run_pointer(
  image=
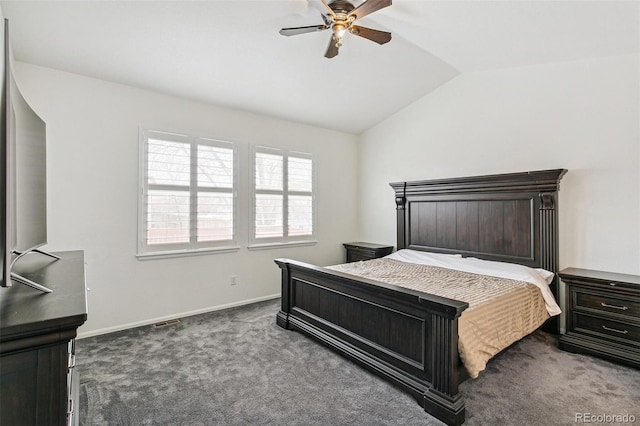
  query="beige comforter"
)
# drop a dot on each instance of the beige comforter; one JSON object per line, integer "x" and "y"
{"x": 501, "y": 311}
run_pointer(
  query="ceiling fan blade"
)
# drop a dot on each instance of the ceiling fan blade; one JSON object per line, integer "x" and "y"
{"x": 302, "y": 30}
{"x": 369, "y": 6}
{"x": 332, "y": 50}
{"x": 380, "y": 37}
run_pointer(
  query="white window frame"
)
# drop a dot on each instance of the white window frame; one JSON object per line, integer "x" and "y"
{"x": 286, "y": 239}
{"x": 193, "y": 246}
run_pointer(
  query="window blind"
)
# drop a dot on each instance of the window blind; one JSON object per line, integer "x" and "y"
{"x": 283, "y": 207}
{"x": 188, "y": 192}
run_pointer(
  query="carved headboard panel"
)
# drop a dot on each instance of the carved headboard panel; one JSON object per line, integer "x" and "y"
{"x": 499, "y": 228}
{"x": 507, "y": 217}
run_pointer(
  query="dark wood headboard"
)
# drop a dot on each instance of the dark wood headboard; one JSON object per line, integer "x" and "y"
{"x": 506, "y": 217}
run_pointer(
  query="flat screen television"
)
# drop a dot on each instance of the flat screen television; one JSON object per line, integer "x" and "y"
{"x": 23, "y": 203}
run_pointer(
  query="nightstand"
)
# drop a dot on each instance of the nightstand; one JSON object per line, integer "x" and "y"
{"x": 366, "y": 251}
{"x": 603, "y": 315}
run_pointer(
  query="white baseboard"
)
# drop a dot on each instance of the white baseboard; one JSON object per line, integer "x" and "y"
{"x": 113, "y": 329}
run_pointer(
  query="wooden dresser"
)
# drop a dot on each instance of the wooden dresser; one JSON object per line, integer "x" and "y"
{"x": 366, "y": 251}
{"x": 603, "y": 315}
{"x": 38, "y": 382}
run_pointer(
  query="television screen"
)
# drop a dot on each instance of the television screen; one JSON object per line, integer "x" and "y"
{"x": 23, "y": 201}
{"x": 30, "y": 168}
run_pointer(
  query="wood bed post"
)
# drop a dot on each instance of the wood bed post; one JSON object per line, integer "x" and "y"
{"x": 548, "y": 184}
{"x": 400, "y": 207}
{"x": 282, "y": 317}
{"x": 549, "y": 247}
{"x": 442, "y": 399}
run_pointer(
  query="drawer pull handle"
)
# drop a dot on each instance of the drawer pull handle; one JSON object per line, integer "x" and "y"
{"x": 605, "y": 305}
{"x": 613, "y": 329}
{"x": 612, "y": 284}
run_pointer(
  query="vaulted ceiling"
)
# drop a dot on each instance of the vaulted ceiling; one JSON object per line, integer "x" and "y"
{"x": 229, "y": 53}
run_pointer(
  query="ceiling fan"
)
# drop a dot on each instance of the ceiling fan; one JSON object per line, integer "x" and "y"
{"x": 340, "y": 17}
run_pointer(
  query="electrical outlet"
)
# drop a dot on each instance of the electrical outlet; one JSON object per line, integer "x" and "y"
{"x": 234, "y": 280}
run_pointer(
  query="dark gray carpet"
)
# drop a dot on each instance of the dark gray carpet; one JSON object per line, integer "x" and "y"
{"x": 236, "y": 367}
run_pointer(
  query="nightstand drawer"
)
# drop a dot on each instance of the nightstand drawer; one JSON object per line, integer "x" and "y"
{"x": 600, "y": 327}
{"x": 356, "y": 255}
{"x": 607, "y": 304}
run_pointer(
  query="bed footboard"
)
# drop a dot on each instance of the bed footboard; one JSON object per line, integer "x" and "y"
{"x": 408, "y": 337}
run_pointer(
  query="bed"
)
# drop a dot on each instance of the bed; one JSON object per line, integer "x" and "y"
{"x": 411, "y": 337}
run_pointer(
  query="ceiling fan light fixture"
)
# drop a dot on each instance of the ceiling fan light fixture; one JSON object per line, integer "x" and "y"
{"x": 338, "y": 33}
{"x": 340, "y": 17}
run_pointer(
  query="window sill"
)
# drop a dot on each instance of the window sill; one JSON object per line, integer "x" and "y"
{"x": 267, "y": 246}
{"x": 182, "y": 253}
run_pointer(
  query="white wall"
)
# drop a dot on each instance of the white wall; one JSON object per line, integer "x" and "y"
{"x": 92, "y": 129}
{"x": 583, "y": 116}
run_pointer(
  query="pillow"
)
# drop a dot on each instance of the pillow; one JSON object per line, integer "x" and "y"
{"x": 547, "y": 275}
{"x": 420, "y": 257}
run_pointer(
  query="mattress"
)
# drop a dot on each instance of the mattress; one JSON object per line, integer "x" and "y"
{"x": 501, "y": 310}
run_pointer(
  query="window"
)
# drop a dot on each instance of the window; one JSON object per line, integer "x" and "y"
{"x": 283, "y": 197}
{"x": 187, "y": 198}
